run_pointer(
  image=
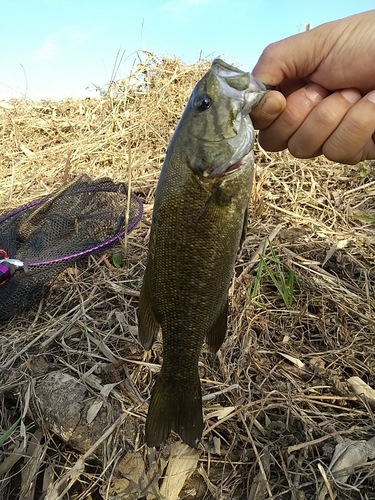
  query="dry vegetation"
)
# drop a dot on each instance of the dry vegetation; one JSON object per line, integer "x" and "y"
{"x": 277, "y": 400}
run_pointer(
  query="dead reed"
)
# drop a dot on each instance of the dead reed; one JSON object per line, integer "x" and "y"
{"x": 279, "y": 398}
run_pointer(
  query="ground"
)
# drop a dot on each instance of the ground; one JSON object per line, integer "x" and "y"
{"x": 280, "y": 398}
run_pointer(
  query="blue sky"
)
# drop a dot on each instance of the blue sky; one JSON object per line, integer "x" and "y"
{"x": 57, "y": 48}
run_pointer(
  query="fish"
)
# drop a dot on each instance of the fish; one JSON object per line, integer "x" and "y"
{"x": 198, "y": 222}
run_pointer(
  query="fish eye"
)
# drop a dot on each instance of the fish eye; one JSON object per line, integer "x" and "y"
{"x": 202, "y": 102}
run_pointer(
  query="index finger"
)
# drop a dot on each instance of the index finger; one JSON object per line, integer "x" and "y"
{"x": 286, "y": 59}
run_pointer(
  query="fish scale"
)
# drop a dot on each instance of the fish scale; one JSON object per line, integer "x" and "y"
{"x": 198, "y": 221}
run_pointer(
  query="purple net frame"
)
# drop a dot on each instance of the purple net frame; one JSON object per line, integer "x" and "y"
{"x": 99, "y": 246}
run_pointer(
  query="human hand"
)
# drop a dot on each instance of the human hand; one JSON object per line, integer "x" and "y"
{"x": 325, "y": 97}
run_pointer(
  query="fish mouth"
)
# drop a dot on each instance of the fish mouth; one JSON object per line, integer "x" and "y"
{"x": 240, "y": 81}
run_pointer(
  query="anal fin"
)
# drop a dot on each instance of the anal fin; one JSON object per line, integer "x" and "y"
{"x": 148, "y": 325}
{"x": 215, "y": 336}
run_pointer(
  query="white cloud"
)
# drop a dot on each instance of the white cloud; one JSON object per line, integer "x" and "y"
{"x": 64, "y": 39}
{"x": 48, "y": 49}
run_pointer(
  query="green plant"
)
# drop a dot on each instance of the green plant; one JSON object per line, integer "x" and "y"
{"x": 117, "y": 260}
{"x": 5, "y": 436}
{"x": 282, "y": 278}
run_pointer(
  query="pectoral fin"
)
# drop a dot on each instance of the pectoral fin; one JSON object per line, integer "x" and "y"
{"x": 148, "y": 326}
{"x": 216, "y": 334}
{"x": 244, "y": 227}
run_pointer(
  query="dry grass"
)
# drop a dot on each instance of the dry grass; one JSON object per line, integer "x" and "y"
{"x": 276, "y": 397}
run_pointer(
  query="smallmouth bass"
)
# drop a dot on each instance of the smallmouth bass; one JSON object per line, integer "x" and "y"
{"x": 199, "y": 216}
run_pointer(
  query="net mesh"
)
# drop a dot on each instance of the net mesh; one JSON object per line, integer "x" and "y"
{"x": 49, "y": 234}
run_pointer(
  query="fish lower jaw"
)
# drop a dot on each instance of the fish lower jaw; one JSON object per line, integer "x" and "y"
{"x": 224, "y": 170}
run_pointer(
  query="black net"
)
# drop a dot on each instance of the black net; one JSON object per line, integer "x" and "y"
{"x": 51, "y": 233}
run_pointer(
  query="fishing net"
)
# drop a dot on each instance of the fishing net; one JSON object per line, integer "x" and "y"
{"x": 44, "y": 237}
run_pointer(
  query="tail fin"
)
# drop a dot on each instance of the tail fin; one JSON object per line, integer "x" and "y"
{"x": 177, "y": 407}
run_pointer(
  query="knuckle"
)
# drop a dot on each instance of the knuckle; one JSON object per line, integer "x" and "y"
{"x": 268, "y": 52}
{"x": 328, "y": 115}
{"x": 335, "y": 151}
{"x": 360, "y": 121}
{"x": 359, "y": 124}
{"x": 298, "y": 150}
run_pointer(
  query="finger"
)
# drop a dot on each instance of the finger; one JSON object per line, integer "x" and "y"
{"x": 287, "y": 59}
{"x": 269, "y": 108}
{"x": 299, "y": 106}
{"x": 287, "y": 87}
{"x": 319, "y": 125}
{"x": 352, "y": 141}
{"x": 336, "y": 55}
